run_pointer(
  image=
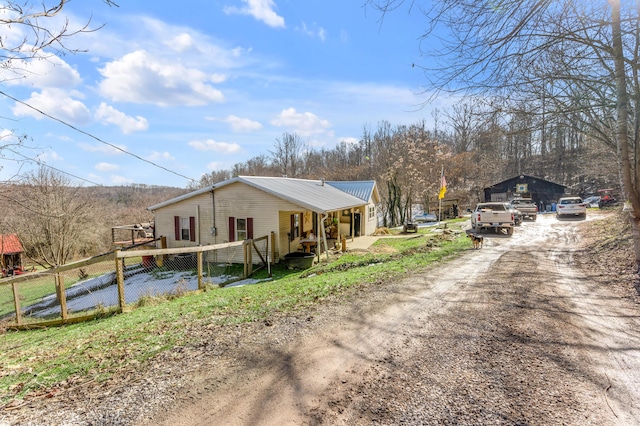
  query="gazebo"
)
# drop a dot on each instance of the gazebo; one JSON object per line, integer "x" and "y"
{"x": 10, "y": 254}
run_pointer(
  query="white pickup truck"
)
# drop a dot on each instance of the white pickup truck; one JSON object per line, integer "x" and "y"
{"x": 494, "y": 215}
{"x": 526, "y": 206}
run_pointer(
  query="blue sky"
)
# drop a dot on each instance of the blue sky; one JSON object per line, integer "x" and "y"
{"x": 201, "y": 85}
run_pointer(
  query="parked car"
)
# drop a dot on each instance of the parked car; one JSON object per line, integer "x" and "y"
{"x": 518, "y": 217}
{"x": 571, "y": 206}
{"x": 425, "y": 217}
{"x": 494, "y": 215}
{"x": 592, "y": 201}
{"x": 526, "y": 206}
{"x": 409, "y": 227}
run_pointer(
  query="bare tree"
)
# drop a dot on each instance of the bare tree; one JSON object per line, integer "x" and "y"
{"x": 286, "y": 156}
{"x": 583, "y": 55}
{"x": 53, "y": 220}
{"x": 34, "y": 33}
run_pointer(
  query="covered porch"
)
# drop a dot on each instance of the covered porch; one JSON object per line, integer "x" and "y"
{"x": 314, "y": 232}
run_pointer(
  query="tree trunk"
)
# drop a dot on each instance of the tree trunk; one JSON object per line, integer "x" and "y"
{"x": 622, "y": 131}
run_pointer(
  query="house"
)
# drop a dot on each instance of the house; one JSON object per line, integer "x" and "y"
{"x": 542, "y": 192}
{"x": 247, "y": 207}
{"x": 10, "y": 254}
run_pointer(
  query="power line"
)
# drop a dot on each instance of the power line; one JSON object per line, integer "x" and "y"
{"x": 95, "y": 137}
{"x": 42, "y": 163}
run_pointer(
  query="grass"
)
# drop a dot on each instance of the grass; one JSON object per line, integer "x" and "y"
{"x": 34, "y": 290}
{"x": 38, "y": 361}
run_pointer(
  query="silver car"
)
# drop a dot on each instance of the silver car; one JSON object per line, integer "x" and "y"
{"x": 571, "y": 206}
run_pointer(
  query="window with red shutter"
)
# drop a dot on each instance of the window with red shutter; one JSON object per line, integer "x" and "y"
{"x": 250, "y": 228}
{"x": 192, "y": 228}
{"x": 232, "y": 229}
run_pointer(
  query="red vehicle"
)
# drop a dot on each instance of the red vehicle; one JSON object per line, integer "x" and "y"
{"x": 606, "y": 198}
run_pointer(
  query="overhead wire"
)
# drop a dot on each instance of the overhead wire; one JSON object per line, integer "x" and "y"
{"x": 42, "y": 163}
{"x": 95, "y": 137}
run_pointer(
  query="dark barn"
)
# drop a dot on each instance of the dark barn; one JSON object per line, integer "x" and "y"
{"x": 539, "y": 190}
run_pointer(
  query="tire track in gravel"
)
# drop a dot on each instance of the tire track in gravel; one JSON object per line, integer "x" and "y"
{"x": 285, "y": 387}
{"x": 612, "y": 330}
{"x": 499, "y": 336}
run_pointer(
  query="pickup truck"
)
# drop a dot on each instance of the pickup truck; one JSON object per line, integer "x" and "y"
{"x": 494, "y": 215}
{"x": 526, "y": 206}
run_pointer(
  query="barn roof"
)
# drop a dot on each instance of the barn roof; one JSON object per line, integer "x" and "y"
{"x": 524, "y": 178}
{"x": 10, "y": 244}
{"x": 315, "y": 195}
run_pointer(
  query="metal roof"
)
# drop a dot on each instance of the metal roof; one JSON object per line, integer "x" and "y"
{"x": 10, "y": 244}
{"x": 315, "y": 195}
{"x": 362, "y": 189}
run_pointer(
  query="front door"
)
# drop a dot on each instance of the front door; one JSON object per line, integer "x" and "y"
{"x": 356, "y": 224}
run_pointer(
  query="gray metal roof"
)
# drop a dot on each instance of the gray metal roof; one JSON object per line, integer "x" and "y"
{"x": 314, "y": 195}
{"x": 362, "y": 189}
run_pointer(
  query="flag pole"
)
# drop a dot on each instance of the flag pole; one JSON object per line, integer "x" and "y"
{"x": 440, "y": 196}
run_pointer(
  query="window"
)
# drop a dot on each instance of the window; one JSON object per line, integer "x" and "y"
{"x": 240, "y": 229}
{"x": 185, "y": 228}
{"x": 372, "y": 212}
{"x": 296, "y": 223}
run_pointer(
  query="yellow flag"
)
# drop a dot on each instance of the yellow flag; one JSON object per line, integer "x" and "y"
{"x": 443, "y": 188}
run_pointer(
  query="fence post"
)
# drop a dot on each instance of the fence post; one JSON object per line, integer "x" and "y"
{"x": 273, "y": 247}
{"x": 16, "y": 301}
{"x": 120, "y": 281}
{"x": 62, "y": 296}
{"x": 250, "y": 256}
{"x": 200, "y": 282}
{"x": 244, "y": 253}
{"x": 161, "y": 258}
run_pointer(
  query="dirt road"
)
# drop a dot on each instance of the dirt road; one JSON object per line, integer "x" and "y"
{"x": 508, "y": 334}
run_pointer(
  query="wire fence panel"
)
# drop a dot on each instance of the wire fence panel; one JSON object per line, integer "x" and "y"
{"x": 7, "y": 304}
{"x": 59, "y": 293}
{"x": 154, "y": 276}
{"x": 107, "y": 283}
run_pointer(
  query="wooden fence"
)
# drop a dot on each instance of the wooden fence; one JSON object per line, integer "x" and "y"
{"x": 34, "y": 288}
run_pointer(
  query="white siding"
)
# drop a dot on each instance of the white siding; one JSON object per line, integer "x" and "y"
{"x": 196, "y": 207}
{"x": 238, "y": 200}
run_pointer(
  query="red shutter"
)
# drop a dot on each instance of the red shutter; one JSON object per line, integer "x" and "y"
{"x": 291, "y": 228}
{"x": 176, "y": 225}
{"x": 232, "y": 229}
{"x": 192, "y": 228}
{"x": 250, "y": 228}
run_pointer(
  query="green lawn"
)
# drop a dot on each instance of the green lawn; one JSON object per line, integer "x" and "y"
{"x": 37, "y": 360}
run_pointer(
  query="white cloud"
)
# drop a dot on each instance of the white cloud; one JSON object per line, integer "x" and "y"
{"x": 211, "y": 145}
{"x": 181, "y": 42}
{"x": 56, "y": 103}
{"x": 304, "y": 124}
{"x": 239, "y": 124}
{"x": 110, "y": 115}
{"x": 106, "y": 167}
{"x": 155, "y": 156}
{"x": 50, "y": 72}
{"x": 141, "y": 78}
{"x": 49, "y": 156}
{"x": 120, "y": 180}
{"x": 215, "y": 166}
{"x": 105, "y": 149}
{"x": 93, "y": 177}
{"x": 317, "y": 31}
{"x": 262, "y": 10}
{"x": 350, "y": 140}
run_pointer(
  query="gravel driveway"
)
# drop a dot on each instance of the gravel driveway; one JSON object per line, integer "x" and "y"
{"x": 511, "y": 334}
